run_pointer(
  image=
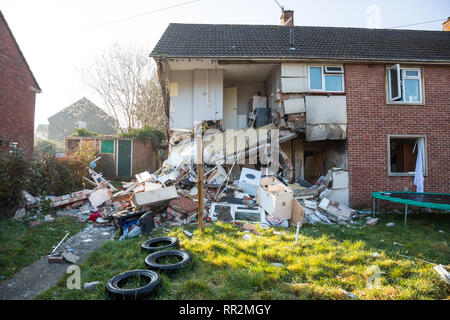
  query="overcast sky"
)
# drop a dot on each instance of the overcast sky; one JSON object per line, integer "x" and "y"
{"x": 57, "y": 37}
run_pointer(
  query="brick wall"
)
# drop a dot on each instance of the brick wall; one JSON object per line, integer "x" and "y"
{"x": 370, "y": 120}
{"x": 17, "y": 100}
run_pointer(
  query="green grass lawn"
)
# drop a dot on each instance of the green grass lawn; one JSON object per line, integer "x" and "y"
{"x": 327, "y": 261}
{"x": 21, "y": 245}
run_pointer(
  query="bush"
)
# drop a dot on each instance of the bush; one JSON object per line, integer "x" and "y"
{"x": 43, "y": 175}
{"x": 148, "y": 133}
{"x": 13, "y": 173}
{"x": 55, "y": 176}
{"x": 81, "y": 132}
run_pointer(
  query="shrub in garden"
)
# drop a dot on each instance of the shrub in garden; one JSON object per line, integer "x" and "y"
{"x": 147, "y": 133}
{"x": 45, "y": 175}
{"x": 55, "y": 176}
{"x": 81, "y": 132}
{"x": 13, "y": 170}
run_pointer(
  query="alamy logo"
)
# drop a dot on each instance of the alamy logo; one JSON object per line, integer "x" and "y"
{"x": 373, "y": 16}
{"x": 74, "y": 281}
{"x": 374, "y": 281}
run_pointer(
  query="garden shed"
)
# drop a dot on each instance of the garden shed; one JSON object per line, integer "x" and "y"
{"x": 120, "y": 157}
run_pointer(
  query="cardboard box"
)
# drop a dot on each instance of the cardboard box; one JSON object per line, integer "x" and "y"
{"x": 275, "y": 198}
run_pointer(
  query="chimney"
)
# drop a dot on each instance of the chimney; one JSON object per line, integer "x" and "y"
{"x": 446, "y": 25}
{"x": 287, "y": 18}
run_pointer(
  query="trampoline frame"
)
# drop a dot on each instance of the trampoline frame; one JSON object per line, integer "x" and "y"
{"x": 380, "y": 196}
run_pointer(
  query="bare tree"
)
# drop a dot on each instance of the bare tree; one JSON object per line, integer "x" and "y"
{"x": 124, "y": 78}
{"x": 150, "y": 104}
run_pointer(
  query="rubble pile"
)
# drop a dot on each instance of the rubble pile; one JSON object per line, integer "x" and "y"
{"x": 231, "y": 192}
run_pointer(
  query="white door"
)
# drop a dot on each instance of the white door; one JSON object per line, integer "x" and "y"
{"x": 230, "y": 108}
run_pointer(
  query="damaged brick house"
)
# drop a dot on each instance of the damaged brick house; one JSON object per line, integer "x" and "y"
{"x": 365, "y": 100}
{"x": 18, "y": 89}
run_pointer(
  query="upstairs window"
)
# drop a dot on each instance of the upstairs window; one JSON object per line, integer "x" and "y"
{"x": 326, "y": 78}
{"x": 404, "y": 84}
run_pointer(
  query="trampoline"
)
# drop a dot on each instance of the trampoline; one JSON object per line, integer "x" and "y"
{"x": 428, "y": 200}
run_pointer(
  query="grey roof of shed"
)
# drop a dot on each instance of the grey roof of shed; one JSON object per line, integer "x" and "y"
{"x": 272, "y": 41}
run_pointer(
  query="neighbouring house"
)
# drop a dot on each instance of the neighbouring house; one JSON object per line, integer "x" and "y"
{"x": 18, "y": 88}
{"x": 365, "y": 100}
{"x": 82, "y": 114}
{"x": 120, "y": 157}
{"x": 42, "y": 131}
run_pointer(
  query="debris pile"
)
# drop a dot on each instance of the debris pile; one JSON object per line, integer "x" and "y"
{"x": 327, "y": 211}
{"x": 231, "y": 192}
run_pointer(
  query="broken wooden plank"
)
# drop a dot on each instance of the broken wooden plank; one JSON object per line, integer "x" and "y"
{"x": 55, "y": 258}
{"x": 298, "y": 213}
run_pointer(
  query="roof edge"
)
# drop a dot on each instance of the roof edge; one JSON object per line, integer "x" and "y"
{"x": 279, "y": 58}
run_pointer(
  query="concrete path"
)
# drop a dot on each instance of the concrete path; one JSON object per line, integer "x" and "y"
{"x": 41, "y": 275}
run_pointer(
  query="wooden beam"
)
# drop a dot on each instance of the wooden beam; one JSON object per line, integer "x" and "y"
{"x": 200, "y": 178}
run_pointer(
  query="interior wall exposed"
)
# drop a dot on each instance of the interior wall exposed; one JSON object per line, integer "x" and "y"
{"x": 321, "y": 156}
{"x": 286, "y": 147}
{"x": 245, "y": 91}
{"x": 181, "y": 99}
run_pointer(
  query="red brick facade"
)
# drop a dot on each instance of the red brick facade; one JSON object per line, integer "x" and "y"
{"x": 370, "y": 120}
{"x": 17, "y": 94}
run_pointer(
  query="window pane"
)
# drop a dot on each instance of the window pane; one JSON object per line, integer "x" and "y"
{"x": 315, "y": 77}
{"x": 412, "y": 90}
{"x": 412, "y": 73}
{"x": 333, "y": 83}
{"x": 333, "y": 69}
{"x": 394, "y": 84}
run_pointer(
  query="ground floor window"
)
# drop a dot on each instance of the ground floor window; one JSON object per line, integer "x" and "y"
{"x": 403, "y": 152}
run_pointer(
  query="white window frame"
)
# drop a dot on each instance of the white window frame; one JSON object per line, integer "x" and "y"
{"x": 406, "y": 137}
{"x": 402, "y": 71}
{"x": 335, "y": 74}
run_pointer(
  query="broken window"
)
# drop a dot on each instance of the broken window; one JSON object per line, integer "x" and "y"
{"x": 326, "y": 78}
{"x": 404, "y": 84}
{"x": 403, "y": 153}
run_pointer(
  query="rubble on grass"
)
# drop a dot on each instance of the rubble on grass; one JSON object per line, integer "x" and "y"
{"x": 169, "y": 197}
